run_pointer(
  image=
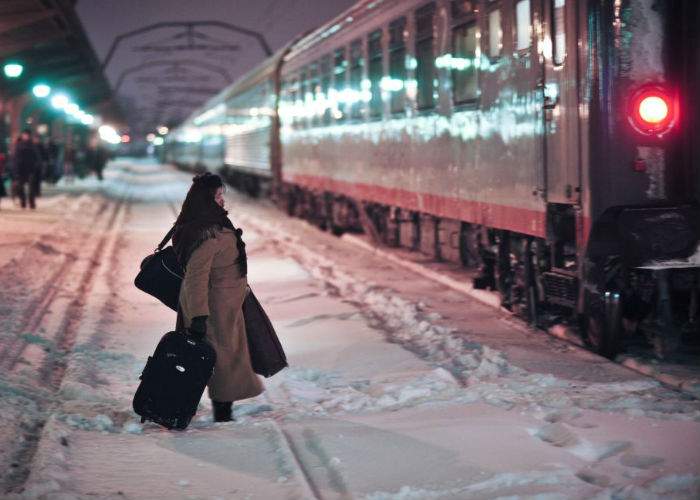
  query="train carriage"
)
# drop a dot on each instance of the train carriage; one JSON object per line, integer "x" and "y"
{"x": 549, "y": 143}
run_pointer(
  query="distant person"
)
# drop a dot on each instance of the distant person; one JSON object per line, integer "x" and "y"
{"x": 213, "y": 254}
{"x": 3, "y": 191}
{"x": 27, "y": 166}
{"x": 69, "y": 163}
{"x": 52, "y": 151}
{"x": 44, "y": 159}
{"x": 97, "y": 157}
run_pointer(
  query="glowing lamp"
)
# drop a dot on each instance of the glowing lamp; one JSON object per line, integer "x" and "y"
{"x": 72, "y": 108}
{"x": 59, "y": 101}
{"x": 13, "y": 70}
{"x": 653, "y": 111}
{"x": 41, "y": 90}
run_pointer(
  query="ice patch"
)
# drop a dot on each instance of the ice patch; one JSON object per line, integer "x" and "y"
{"x": 594, "y": 452}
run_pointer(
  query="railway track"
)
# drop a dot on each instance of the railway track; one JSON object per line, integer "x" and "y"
{"x": 56, "y": 307}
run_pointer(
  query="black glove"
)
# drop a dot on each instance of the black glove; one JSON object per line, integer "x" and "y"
{"x": 198, "y": 328}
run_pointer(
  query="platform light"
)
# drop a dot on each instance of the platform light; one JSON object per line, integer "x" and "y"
{"x": 109, "y": 134}
{"x": 59, "y": 101}
{"x": 41, "y": 90}
{"x": 13, "y": 70}
{"x": 87, "y": 119}
{"x": 72, "y": 108}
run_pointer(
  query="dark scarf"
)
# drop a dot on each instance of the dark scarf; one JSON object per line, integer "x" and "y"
{"x": 198, "y": 221}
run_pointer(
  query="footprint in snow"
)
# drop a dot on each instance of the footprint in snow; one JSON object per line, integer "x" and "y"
{"x": 557, "y": 434}
{"x": 570, "y": 417}
{"x": 593, "y": 478}
{"x": 639, "y": 461}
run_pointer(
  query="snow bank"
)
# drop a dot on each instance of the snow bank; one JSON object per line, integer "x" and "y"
{"x": 486, "y": 372}
{"x": 313, "y": 391}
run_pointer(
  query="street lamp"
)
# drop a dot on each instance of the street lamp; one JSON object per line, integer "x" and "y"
{"x": 41, "y": 90}
{"x": 72, "y": 108}
{"x": 13, "y": 70}
{"x": 59, "y": 101}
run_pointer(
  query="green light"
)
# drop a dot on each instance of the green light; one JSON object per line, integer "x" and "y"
{"x": 13, "y": 70}
{"x": 71, "y": 108}
{"x": 41, "y": 90}
{"x": 59, "y": 101}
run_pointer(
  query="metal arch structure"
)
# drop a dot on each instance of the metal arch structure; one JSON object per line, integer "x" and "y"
{"x": 189, "y": 25}
{"x": 171, "y": 62}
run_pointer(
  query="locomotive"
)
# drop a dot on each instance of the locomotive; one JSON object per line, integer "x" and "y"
{"x": 549, "y": 144}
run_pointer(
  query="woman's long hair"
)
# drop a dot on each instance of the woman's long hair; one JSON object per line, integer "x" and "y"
{"x": 200, "y": 217}
{"x": 199, "y": 203}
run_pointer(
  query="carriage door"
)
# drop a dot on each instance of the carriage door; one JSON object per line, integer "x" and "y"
{"x": 560, "y": 103}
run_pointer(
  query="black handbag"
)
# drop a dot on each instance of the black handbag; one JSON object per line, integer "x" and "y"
{"x": 266, "y": 354}
{"x": 161, "y": 274}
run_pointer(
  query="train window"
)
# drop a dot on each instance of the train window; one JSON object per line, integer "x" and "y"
{"x": 300, "y": 119}
{"x": 465, "y": 85}
{"x": 356, "y": 70}
{"x": 523, "y": 25}
{"x": 397, "y": 65}
{"x": 495, "y": 38}
{"x": 312, "y": 94}
{"x": 425, "y": 58}
{"x": 558, "y": 31}
{"x": 290, "y": 92}
{"x": 325, "y": 88}
{"x": 375, "y": 70}
{"x": 339, "y": 84}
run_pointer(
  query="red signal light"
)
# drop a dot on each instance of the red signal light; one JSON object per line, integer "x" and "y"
{"x": 652, "y": 111}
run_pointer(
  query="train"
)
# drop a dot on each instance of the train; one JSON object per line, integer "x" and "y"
{"x": 549, "y": 145}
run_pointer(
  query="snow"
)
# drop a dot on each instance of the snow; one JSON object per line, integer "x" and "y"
{"x": 386, "y": 397}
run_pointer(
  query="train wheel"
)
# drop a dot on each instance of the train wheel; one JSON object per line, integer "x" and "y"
{"x": 602, "y": 323}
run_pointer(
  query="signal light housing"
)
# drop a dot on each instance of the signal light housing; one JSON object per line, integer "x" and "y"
{"x": 653, "y": 110}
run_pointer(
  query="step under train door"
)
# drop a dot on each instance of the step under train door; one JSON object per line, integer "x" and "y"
{"x": 560, "y": 88}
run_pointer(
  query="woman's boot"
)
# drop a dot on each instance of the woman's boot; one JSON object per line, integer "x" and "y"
{"x": 222, "y": 411}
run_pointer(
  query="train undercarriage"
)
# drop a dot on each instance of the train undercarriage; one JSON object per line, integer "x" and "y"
{"x": 615, "y": 308}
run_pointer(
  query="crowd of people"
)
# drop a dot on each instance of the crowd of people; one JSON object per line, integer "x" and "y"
{"x": 34, "y": 161}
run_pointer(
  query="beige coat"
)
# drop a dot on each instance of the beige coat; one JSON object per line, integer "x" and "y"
{"x": 213, "y": 287}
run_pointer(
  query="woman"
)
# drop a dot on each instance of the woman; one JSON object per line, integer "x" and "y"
{"x": 213, "y": 254}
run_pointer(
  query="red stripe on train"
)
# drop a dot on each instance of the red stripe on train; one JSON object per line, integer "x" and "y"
{"x": 515, "y": 219}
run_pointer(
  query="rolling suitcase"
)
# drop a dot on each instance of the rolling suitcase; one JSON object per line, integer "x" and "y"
{"x": 173, "y": 380}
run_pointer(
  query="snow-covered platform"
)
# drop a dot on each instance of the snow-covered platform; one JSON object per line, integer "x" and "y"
{"x": 399, "y": 387}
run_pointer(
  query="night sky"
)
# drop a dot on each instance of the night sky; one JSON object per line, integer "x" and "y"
{"x": 156, "y": 94}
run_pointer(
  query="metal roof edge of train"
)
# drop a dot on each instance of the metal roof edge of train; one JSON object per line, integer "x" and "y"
{"x": 353, "y": 14}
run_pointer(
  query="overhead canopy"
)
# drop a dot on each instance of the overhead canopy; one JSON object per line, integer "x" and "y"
{"x": 48, "y": 39}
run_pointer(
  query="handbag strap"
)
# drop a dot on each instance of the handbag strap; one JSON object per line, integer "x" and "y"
{"x": 166, "y": 239}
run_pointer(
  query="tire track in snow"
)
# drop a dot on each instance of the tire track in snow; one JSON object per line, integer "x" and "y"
{"x": 53, "y": 369}
{"x": 37, "y": 308}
